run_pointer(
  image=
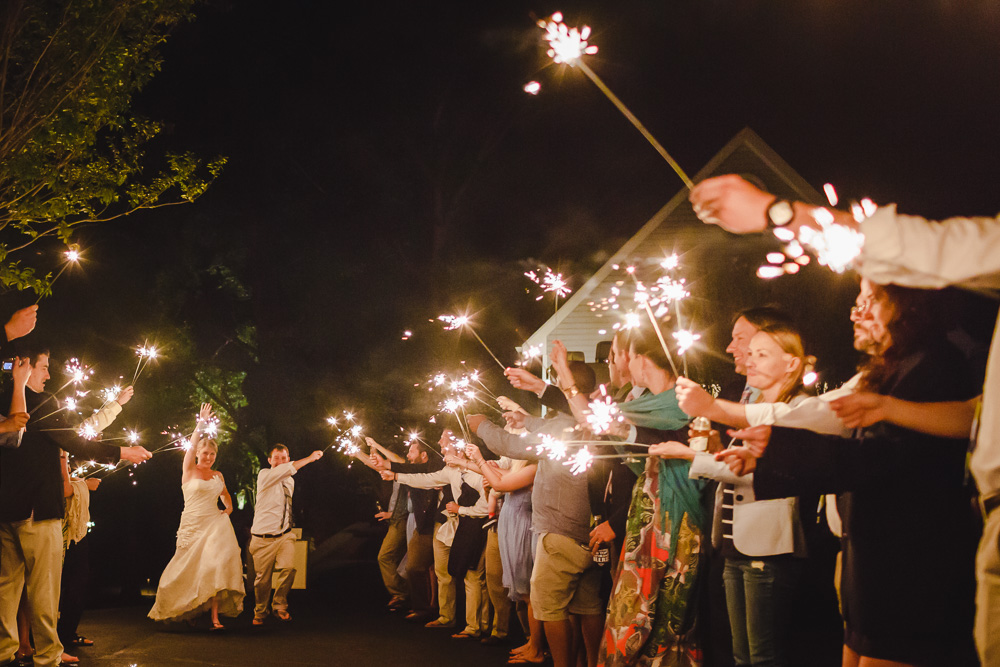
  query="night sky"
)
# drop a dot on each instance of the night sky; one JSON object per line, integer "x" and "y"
{"x": 385, "y": 166}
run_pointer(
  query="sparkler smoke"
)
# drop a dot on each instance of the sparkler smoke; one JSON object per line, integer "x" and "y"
{"x": 453, "y": 322}
{"x": 569, "y": 45}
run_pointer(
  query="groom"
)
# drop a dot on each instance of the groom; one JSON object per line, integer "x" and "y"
{"x": 272, "y": 545}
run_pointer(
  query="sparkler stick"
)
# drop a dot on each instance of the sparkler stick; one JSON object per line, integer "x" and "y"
{"x": 146, "y": 353}
{"x": 569, "y": 46}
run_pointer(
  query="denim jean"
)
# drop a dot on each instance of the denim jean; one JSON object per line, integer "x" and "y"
{"x": 758, "y": 596}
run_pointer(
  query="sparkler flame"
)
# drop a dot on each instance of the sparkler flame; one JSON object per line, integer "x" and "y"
{"x": 603, "y": 414}
{"x": 453, "y": 322}
{"x": 685, "y": 340}
{"x": 836, "y": 246}
{"x": 581, "y": 461}
{"x": 87, "y": 432}
{"x": 555, "y": 450}
{"x": 566, "y": 45}
{"x": 532, "y": 87}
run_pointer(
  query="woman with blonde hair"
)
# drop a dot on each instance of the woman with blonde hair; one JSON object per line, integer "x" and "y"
{"x": 206, "y": 572}
{"x": 761, "y": 540}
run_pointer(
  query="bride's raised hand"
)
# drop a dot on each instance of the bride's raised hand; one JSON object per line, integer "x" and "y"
{"x": 205, "y": 414}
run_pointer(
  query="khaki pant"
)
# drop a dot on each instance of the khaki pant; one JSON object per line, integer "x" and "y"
{"x": 389, "y": 556}
{"x": 446, "y": 587}
{"x": 988, "y": 593}
{"x": 494, "y": 584}
{"x": 477, "y": 604}
{"x": 419, "y": 561}
{"x": 31, "y": 552}
{"x": 564, "y": 579}
{"x": 270, "y": 554}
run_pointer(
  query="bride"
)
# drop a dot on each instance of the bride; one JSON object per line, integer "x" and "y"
{"x": 206, "y": 571}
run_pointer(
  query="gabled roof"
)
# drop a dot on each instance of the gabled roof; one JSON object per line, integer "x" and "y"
{"x": 745, "y": 154}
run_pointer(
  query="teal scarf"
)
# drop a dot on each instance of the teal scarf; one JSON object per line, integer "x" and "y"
{"x": 678, "y": 493}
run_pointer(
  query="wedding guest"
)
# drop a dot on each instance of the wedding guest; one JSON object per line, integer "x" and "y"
{"x": 32, "y": 507}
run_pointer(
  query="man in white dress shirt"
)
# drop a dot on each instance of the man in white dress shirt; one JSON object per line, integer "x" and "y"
{"x": 272, "y": 545}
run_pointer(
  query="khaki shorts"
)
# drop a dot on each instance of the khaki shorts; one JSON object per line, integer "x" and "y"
{"x": 564, "y": 579}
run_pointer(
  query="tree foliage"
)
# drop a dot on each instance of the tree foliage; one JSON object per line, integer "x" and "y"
{"x": 71, "y": 149}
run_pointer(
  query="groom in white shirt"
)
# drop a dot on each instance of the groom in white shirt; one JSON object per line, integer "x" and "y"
{"x": 272, "y": 545}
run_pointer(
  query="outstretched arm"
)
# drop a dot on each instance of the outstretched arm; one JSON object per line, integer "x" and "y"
{"x": 949, "y": 419}
{"x": 386, "y": 453}
{"x": 697, "y": 402}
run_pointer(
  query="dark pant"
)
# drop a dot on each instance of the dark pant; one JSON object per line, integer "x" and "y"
{"x": 759, "y": 595}
{"x": 72, "y": 599}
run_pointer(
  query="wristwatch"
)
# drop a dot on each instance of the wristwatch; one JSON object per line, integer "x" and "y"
{"x": 780, "y": 213}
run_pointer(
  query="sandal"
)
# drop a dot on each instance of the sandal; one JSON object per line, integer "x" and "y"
{"x": 282, "y": 615}
{"x": 80, "y": 640}
{"x": 216, "y": 627}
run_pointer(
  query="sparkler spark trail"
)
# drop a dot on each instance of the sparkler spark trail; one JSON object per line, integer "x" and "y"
{"x": 569, "y": 45}
{"x": 603, "y": 413}
{"x": 581, "y": 461}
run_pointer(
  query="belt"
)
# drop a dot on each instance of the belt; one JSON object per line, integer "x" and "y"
{"x": 273, "y": 535}
{"x": 989, "y": 503}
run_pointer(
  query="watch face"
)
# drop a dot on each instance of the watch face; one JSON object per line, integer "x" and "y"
{"x": 780, "y": 213}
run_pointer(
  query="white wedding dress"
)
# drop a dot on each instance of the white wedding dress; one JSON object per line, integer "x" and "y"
{"x": 207, "y": 560}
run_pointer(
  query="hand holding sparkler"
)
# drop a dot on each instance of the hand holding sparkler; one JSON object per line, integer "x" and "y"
{"x": 672, "y": 450}
{"x": 474, "y": 422}
{"x": 125, "y": 395}
{"x": 693, "y": 399}
{"x": 732, "y": 203}
{"x": 14, "y": 422}
{"x": 515, "y": 419}
{"x": 755, "y": 438}
{"x": 21, "y": 323}
{"x": 135, "y": 454}
{"x": 740, "y": 460}
{"x": 520, "y": 378}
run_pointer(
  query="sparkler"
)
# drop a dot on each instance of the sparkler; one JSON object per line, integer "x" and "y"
{"x": 146, "y": 354}
{"x": 532, "y": 87}
{"x": 569, "y": 45}
{"x": 71, "y": 256}
{"x": 603, "y": 413}
{"x": 453, "y": 322}
{"x": 549, "y": 281}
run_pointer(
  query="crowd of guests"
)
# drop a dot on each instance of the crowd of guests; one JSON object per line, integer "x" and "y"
{"x": 696, "y": 523}
{"x": 678, "y": 546}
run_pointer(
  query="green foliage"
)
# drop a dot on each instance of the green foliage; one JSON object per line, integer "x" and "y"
{"x": 71, "y": 150}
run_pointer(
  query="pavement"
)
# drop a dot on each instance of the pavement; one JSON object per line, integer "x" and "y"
{"x": 340, "y": 620}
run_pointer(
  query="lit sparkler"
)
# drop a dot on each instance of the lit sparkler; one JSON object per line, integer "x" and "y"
{"x": 603, "y": 413}
{"x": 581, "y": 461}
{"x": 685, "y": 341}
{"x": 569, "y": 45}
{"x": 532, "y": 87}
{"x": 453, "y": 322}
{"x": 550, "y": 281}
{"x": 146, "y": 353}
{"x": 71, "y": 256}
{"x": 552, "y": 448}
